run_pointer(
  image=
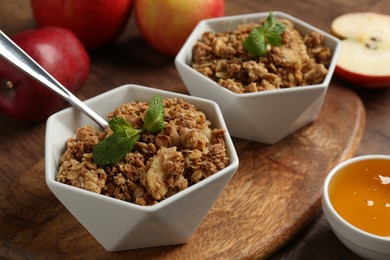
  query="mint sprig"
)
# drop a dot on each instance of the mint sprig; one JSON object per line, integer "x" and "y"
{"x": 118, "y": 144}
{"x": 115, "y": 147}
{"x": 268, "y": 33}
{"x": 154, "y": 118}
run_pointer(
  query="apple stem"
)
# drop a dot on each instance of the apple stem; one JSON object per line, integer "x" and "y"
{"x": 7, "y": 84}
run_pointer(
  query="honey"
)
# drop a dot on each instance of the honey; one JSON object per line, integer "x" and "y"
{"x": 360, "y": 193}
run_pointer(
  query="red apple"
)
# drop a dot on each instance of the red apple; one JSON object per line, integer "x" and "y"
{"x": 59, "y": 52}
{"x": 364, "y": 58}
{"x": 96, "y": 22}
{"x": 166, "y": 24}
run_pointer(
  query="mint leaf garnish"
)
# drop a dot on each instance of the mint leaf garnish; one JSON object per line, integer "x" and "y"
{"x": 115, "y": 147}
{"x": 255, "y": 43}
{"x": 268, "y": 33}
{"x": 154, "y": 118}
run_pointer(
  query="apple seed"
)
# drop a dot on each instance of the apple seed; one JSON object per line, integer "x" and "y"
{"x": 372, "y": 44}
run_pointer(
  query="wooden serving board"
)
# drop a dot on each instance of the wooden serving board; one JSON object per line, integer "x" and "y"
{"x": 274, "y": 194}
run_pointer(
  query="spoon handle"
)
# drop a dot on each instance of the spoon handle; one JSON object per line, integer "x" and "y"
{"x": 16, "y": 56}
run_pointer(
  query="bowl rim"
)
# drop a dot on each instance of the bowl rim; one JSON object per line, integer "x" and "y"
{"x": 187, "y": 48}
{"x": 234, "y": 160}
{"x": 329, "y": 205}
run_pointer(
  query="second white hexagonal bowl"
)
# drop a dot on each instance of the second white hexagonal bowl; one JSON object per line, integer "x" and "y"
{"x": 266, "y": 116}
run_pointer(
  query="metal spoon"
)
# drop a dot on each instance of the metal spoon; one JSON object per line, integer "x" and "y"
{"x": 16, "y": 56}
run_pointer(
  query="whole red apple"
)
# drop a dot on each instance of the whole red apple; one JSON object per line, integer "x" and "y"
{"x": 59, "y": 52}
{"x": 95, "y": 22}
{"x": 166, "y": 24}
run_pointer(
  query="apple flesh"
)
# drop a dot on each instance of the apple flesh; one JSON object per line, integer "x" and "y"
{"x": 61, "y": 54}
{"x": 364, "y": 58}
{"x": 95, "y": 23}
{"x": 166, "y": 24}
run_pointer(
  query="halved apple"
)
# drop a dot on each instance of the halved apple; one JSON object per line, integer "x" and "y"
{"x": 364, "y": 57}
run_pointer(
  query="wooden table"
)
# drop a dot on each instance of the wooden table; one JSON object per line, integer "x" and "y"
{"x": 22, "y": 144}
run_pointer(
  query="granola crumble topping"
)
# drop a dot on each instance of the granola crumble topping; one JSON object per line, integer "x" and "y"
{"x": 300, "y": 61}
{"x": 160, "y": 165}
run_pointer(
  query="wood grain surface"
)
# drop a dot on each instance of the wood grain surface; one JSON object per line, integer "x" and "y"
{"x": 271, "y": 206}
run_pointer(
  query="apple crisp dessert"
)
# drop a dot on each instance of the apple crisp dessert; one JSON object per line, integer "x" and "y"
{"x": 299, "y": 61}
{"x": 187, "y": 151}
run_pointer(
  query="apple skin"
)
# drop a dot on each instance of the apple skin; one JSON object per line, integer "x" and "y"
{"x": 166, "y": 24}
{"x": 95, "y": 22}
{"x": 362, "y": 80}
{"x": 61, "y": 54}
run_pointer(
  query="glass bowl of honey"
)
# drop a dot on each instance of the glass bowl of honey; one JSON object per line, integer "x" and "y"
{"x": 356, "y": 203}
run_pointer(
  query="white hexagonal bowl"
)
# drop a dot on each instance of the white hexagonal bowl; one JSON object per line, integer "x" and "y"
{"x": 267, "y": 116}
{"x": 119, "y": 225}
